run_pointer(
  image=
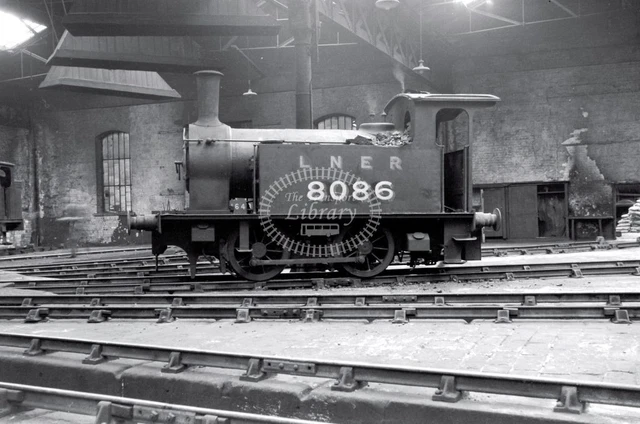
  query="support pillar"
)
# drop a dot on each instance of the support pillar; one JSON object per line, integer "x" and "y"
{"x": 35, "y": 183}
{"x": 300, "y": 19}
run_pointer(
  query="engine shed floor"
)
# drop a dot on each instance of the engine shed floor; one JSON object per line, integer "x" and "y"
{"x": 577, "y": 350}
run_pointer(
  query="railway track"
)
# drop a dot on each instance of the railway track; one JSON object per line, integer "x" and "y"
{"x": 12, "y": 255}
{"x": 178, "y": 263}
{"x": 555, "y": 248}
{"x": 571, "y": 396}
{"x": 110, "y": 409}
{"x": 174, "y": 283}
{"x": 170, "y": 264}
{"x": 620, "y": 307}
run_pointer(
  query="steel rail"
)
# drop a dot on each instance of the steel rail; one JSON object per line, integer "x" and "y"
{"x": 111, "y": 267}
{"x": 552, "y": 248}
{"x": 144, "y": 269}
{"x": 172, "y": 283}
{"x": 109, "y": 409}
{"x": 398, "y": 313}
{"x": 89, "y": 262}
{"x": 94, "y": 264}
{"x": 571, "y": 395}
{"x": 614, "y": 297}
{"x": 10, "y": 257}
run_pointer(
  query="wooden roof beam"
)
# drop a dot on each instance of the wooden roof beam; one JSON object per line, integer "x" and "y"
{"x": 137, "y": 24}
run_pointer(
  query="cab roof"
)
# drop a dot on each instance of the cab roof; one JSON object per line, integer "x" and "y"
{"x": 484, "y": 100}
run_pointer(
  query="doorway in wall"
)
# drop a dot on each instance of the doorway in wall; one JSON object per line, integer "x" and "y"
{"x": 529, "y": 210}
{"x": 625, "y": 196}
{"x": 552, "y": 210}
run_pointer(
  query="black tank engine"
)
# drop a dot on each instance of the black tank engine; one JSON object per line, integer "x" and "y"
{"x": 264, "y": 199}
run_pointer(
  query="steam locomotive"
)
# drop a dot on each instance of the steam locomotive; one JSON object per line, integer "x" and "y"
{"x": 262, "y": 200}
{"x": 10, "y": 201}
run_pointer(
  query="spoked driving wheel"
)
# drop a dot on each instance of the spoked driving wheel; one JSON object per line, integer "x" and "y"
{"x": 378, "y": 253}
{"x": 260, "y": 247}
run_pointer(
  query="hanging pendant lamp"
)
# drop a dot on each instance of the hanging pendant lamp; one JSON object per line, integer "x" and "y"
{"x": 421, "y": 68}
{"x": 249, "y": 92}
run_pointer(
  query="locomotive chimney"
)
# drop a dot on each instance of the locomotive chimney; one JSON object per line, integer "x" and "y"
{"x": 208, "y": 98}
{"x": 208, "y": 125}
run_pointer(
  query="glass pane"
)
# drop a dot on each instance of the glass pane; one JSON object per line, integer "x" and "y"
{"x": 113, "y": 147}
{"x": 112, "y": 163}
{"x": 116, "y": 199}
{"x": 105, "y": 173}
{"x": 127, "y": 171}
{"x": 116, "y": 172}
{"x": 107, "y": 147}
{"x": 105, "y": 152}
{"x": 121, "y": 162}
{"x": 128, "y": 191}
{"x": 105, "y": 198}
{"x": 111, "y": 199}
{"x": 126, "y": 146}
{"x": 123, "y": 152}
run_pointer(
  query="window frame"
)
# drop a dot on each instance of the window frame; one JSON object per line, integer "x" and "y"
{"x": 331, "y": 116}
{"x": 100, "y": 183}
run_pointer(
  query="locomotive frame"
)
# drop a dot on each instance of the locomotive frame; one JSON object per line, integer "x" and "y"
{"x": 232, "y": 175}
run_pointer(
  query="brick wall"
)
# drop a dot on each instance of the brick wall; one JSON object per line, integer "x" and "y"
{"x": 570, "y": 107}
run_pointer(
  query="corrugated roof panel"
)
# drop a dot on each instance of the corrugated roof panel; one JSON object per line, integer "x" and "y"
{"x": 143, "y": 84}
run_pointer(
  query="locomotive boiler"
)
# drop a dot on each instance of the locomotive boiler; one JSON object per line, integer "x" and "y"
{"x": 264, "y": 199}
{"x": 10, "y": 201}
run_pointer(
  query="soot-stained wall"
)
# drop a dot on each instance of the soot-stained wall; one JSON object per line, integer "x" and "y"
{"x": 570, "y": 107}
{"x": 352, "y": 80}
{"x": 68, "y": 182}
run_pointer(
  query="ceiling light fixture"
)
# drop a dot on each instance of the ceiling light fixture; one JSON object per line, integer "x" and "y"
{"x": 387, "y": 4}
{"x": 249, "y": 92}
{"x": 421, "y": 68}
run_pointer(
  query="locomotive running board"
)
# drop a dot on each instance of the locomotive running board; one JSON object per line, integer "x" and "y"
{"x": 307, "y": 261}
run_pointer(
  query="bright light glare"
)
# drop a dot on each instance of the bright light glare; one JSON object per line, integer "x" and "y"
{"x": 15, "y": 31}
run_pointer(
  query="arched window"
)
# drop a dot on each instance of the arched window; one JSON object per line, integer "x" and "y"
{"x": 114, "y": 172}
{"x": 335, "y": 122}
